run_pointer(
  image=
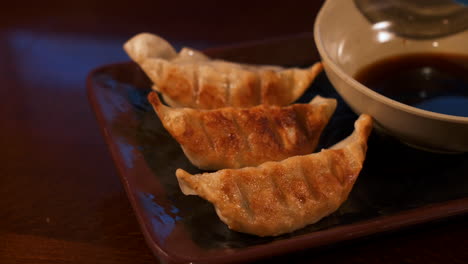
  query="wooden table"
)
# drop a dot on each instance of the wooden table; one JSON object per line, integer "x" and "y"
{"x": 60, "y": 196}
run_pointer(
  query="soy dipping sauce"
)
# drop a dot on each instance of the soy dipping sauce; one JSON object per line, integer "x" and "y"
{"x": 437, "y": 82}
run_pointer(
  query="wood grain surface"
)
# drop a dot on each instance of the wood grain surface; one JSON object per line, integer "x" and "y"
{"x": 60, "y": 196}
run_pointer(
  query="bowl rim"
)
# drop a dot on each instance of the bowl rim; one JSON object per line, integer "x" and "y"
{"x": 364, "y": 89}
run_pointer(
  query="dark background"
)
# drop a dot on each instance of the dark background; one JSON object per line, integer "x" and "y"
{"x": 61, "y": 200}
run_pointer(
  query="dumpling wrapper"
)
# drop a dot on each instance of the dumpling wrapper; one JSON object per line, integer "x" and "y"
{"x": 238, "y": 137}
{"x": 280, "y": 197}
{"x": 191, "y": 79}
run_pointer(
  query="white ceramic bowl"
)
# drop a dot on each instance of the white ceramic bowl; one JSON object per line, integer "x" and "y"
{"x": 347, "y": 42}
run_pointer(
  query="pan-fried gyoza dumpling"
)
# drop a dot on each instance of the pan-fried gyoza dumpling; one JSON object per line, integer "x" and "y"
{"x": 238, "y": 137}
{"x": 280, "y": 197}
{"x": 191, "y": 79}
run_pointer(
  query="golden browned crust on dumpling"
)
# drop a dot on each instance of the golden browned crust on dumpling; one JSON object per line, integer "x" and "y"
{"x": 279, "y": 197}
{"x": 191, "y": 79}
{"x": 238, "y": 137}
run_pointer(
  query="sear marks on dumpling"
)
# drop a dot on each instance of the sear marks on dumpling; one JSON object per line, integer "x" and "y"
{"x": 191, "y": 79}
{"x": 279, "y": 197}
{"x": 239, "y": 137}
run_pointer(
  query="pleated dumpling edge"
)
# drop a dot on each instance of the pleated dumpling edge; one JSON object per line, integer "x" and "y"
{"x": 191, "y": 79}
{"x": 232, "y": 137}
{"x": 280, "y": 197}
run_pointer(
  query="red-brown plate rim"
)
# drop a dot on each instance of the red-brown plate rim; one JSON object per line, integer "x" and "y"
{"x": 376, "y": 225}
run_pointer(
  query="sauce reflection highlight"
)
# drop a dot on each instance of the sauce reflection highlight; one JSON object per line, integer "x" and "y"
{"x": 435, "y": 82}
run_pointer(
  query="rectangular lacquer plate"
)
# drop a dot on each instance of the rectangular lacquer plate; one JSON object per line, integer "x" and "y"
{"x": 398, "y": 186}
